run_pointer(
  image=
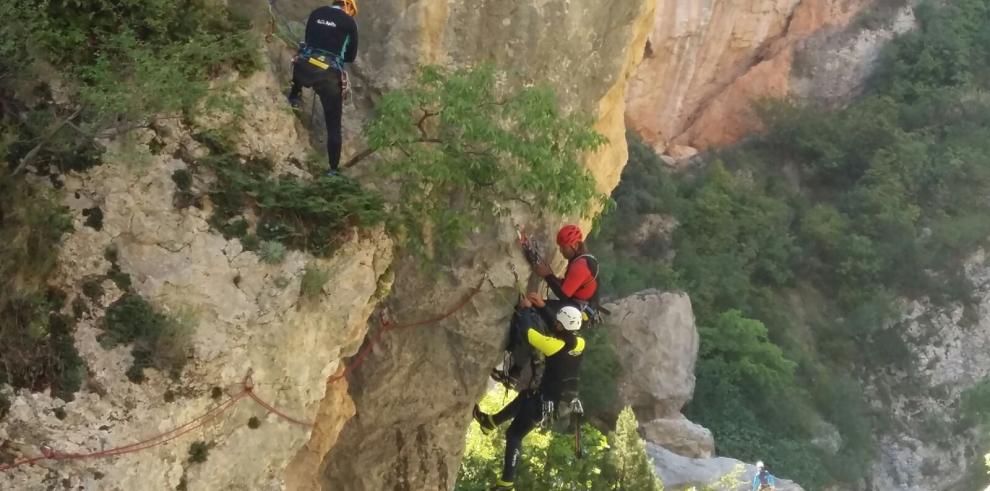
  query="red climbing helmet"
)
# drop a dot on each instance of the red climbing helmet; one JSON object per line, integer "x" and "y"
{"x": 569, "y": 235}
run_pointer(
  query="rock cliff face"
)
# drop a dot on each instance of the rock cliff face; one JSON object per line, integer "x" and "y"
{"x": 680, "y": 473}
{"x": 401, "y": 423}
{"x": 943, "y": 352}
{"x": 657, "y": 344}
{"x": 413, "y": 403}
{"x": 707, "y": 63}
{"x": 246, "y": 317}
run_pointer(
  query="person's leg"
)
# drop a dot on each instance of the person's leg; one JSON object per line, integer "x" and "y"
{"x": 524, "y": 422}
{"x": 489, "y": 422}
{"x": 511, "y": 410}
{"x": 295, "y": 93}
{"x": 333, "y": 108}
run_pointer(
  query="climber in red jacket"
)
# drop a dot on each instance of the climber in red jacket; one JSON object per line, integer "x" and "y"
{"x": 579, "y": 286}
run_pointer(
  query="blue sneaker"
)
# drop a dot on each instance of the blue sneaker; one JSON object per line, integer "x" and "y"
{"x": 333, "y": 173}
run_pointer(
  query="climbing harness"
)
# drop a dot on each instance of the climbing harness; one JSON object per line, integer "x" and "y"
{"x": 564, "y": 418}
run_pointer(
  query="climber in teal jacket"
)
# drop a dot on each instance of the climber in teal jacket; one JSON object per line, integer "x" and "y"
{"x": 763, "y": 480}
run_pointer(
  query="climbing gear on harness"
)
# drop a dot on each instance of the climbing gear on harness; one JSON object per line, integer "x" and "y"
{"x": 320, "y": 58}
{"x": 531, "y": 248}
{"x": 350, "y": 6}
{"x": 345, "y": 85}
{"x": 569, "y": 235}
{"x": 570, "y": 318}
{"x": 564, "y": 417}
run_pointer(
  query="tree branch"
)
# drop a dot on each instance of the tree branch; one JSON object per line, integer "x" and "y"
{"x": 371, "y": 151}
{"x": 419, "y": 124}
{"x": 30, "y": 156}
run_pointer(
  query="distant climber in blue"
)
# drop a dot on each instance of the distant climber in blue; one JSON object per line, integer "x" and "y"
{"x": 763, "y": 480}
{"x": 331, "y": 41}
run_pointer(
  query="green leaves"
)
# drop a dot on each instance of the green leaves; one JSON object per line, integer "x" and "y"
{"x": 618, "y": 462}
{"x": 313, "y": 215}
{"x": 460, "y": 144}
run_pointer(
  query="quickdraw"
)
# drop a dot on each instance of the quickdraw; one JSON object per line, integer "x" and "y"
{"x": 531, "y": 248}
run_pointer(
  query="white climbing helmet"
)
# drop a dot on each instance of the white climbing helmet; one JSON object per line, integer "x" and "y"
{"x": 759, "y": 465}
{"x": 570, "y": 318}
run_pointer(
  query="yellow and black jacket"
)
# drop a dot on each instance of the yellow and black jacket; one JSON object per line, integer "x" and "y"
{"x": 563, "y": 362}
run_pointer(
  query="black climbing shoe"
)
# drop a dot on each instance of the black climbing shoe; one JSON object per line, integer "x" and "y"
{"x": 294, "y": 102}
{"x": 485, "y": 421}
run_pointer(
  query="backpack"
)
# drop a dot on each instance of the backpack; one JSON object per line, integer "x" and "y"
{"x": 522, "y": 367}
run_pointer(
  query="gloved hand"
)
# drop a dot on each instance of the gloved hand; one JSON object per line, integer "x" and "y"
{"x": 542, "y": 270}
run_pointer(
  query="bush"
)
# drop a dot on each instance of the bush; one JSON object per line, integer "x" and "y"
{"x": 629, "y": 467}
{"x": 109, "y": 61}
{"x": 618, "y": 462}
{"x": 272, "y": 252}
{"x": 36, "y": 345}
{"x": 459, "y": 146}
{"x": 299, "y": 214}
{"x": 311, "y": 285}
{"x": 158, "y": 341}
{"x": 199, "y": 452}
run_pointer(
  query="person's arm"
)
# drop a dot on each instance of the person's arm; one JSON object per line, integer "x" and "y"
{"x": 756, "y": 481}
{"x": 556, "y": 286}
{"x": 548, "y": 345}
{"x": 350, "y": 53}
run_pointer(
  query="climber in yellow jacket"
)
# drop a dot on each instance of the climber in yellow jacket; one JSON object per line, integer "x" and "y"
{"x": 563, "y": 350}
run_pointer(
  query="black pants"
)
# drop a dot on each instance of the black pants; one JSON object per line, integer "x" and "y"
{"x": 327, "y": 85}
{"x": 525, "y": 411}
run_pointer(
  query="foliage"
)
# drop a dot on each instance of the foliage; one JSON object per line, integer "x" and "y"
{"x": 600, "y": 369}
{"x": 975, "y": 405}
{"x": 629, "y": 467}
{"x": 158, "y": 341}
{"x": 882, "y": 199}
{"x": 67, "y": 81}
{"x": 36, "y": 347}
{"x": 111, "y": 59}
{"x": 460, "y": 144}
{"x": 313, "y": 215}
{"x": 548, "y": 460}
{"x": 271, "y": 251}
{"x": 199, "y": 452}
{"x": 312, "y": 281}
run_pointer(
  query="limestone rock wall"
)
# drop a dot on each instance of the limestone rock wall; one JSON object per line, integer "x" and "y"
{"x": 680, "y": 473}
{"x": 246, "y": 317}
{"x": 708, "y": 62}
{"x": 413, "y": 403}
{"x": 946, "y": 350}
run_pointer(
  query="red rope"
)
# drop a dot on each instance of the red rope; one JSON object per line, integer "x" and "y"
{"x": 388, "y": 326}
{"x": 247, "y": 391}
{"x": 276, "y": 411}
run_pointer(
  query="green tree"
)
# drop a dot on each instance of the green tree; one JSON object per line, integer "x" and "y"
{"x": 629, "y": 465}
{"x": 460, "y": 145}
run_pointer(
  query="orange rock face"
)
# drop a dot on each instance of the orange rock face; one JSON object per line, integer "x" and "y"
{"x": 705, "y": 66}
